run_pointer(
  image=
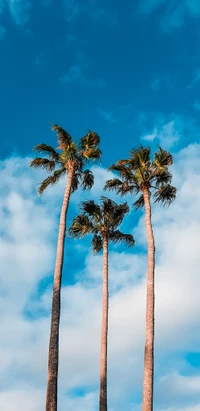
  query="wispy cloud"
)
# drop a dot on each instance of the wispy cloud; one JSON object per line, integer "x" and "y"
{"x": 78, "y": 74}
{"x": 108, "y": 116}
{"x": 197, "y": 105}
{"x": 90, "y": 8}
{"x": 20, "y": 10}
{"x": 168, "y": 132}
{"x": 75, "y": 74}
{"x": 174, "y": 13}
{"x": 38, "y": 60}
{"x": 161, "y": 81}
{"x": 2, "y": 32}
{"x": 155, "y": 84}
{"x": 196, "y": 78}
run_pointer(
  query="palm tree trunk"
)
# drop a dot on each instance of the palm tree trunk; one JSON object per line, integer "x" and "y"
{"x": 104, "y": 330}
{"x": 147, "y": 401}
{"x": 51, "y": 393}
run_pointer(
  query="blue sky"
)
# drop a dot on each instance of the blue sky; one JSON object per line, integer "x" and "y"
{"x": 130, "y": 71}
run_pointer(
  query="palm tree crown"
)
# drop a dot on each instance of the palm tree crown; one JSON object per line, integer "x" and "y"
{"x": 139, "y": 172}
{"x": 70, "y": 156}
{"x": 100, "y": 221}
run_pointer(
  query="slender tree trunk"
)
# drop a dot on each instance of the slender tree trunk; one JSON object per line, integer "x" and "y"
{"x": 104, "y": 330}
{"x": 147, "y": 401}
{"x": 51, "y": 393}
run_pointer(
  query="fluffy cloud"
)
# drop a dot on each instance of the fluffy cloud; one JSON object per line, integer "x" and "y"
{"x": 27, "y": 251}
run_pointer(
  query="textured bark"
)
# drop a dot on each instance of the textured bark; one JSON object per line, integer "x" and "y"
{"x": 147, "y": 401}
{"x": 51, "y": 393}
{"x": 104, "y": 330}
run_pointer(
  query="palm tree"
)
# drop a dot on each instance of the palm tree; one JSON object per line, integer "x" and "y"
{"x": 141, "y": 175}
{"x": 102, "y": 222}
{"x": 69, "y": 160}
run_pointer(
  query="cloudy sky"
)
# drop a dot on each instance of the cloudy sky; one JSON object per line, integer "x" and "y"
{"x": 129, "y": 70}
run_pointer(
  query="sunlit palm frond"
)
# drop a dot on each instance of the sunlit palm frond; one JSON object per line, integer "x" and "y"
{"x": 117, "y": 166}
{"x": 139, "y": 157}
{"x": 162, "y": 159}
{"x": 80, "y": 226}
{"x": 165, "y": 194}
{"x": 118, "y": 237}
{"x": 139, "y": 203}
{"x": 87, "y": 180}
{"x": 97, "y": 243}
{"x": 45, "y": 163}
{"x": 93, "y": 154}
{"x": 47, "y": 150}
{"x": 63, "y": 136}
{"x": 51, "y": 180}
{"x": 90, "y": 140}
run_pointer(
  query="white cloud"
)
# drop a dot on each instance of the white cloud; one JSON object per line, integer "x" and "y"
{"x": 28, "y": 232}
{"x": 170, "y": 131}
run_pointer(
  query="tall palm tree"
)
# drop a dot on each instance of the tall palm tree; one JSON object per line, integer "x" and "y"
{"x": 70, "y": 160}
{"x": 102, "y": 221}
{"x": 139, "y": 175}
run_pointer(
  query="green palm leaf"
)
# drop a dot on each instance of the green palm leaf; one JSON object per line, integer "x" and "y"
{"x": 49, "y": 165}
{"x": 118, "y": 237}
{"x": 47, "y": 150}
{"x": 97, "y": 243}
{"x": 52, "y": 179}
{"x": 165, "y": 194}
{"x": 87, "y": 180}
{"x": 63, "y": 136}
{"x": 81, "y": 226}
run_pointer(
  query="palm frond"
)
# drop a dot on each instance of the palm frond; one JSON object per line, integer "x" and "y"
{"x": 139, "y": 203}
{"x": 92, "y": 209}
{"x": 80, "y": 226}
{"x": 162, "y": 159}
{"x": 87, "y": 180}
{"x": 52, "y": 179}
{"x": 113, "y": 184}
{"x": 165, "y": 194}
{"x": 128, "y": 188}
{"x": 47, "y": 150}
{"x": 163, "y": 177}
{"x": 97, "y": 243}
{"x": 45, "y": 163}
{"x": 93, "y": 154}
{"x": 139, "y": 157}
{"x": 118, "y": 237}
{"x": 75, "y": 182}
{"x": 90, "y": 140}
{"x": 118, "y": 166}
{"x": 63, "y": 136}
{"x": 113, "y": 213}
